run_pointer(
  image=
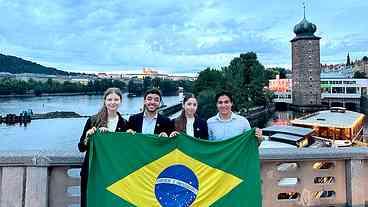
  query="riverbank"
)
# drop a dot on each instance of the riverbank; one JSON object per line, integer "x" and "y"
{"x": 258, "y": 116}
{"x": 57, "y": 114}
{"x": 49, "y": 94}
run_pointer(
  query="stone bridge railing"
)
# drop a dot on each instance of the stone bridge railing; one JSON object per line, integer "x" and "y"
{"x": 291, "y": 177}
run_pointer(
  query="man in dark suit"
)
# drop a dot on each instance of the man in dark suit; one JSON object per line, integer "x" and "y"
{"x": 150, "y": 121}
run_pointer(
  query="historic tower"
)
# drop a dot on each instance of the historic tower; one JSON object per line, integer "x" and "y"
{"x": 306, "y": 65}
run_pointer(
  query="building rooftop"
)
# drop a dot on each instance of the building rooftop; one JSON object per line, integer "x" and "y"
{"x": 346, "y": 119}
{"x": 345, "y": 72}
{"x": 286, "y": 137}
{"x": 292, "y": 130}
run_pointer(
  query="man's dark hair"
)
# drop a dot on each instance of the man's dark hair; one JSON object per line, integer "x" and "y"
{"x": 224, "y": 93}
{"x": 152, "y": 91}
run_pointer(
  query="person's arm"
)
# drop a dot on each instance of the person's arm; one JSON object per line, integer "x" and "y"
{"x": 205, "y": 130}
{"x": 131, "y": 124}
{"x": 122, "y": 125}
{"x": 209, "y": 131}
{"x": 258, "y": 132}
{"x": 171, "y": 126}
{"x": 81, "y": 146}
{"x": 168, "y": 127}
{"x": 259, "y": 136}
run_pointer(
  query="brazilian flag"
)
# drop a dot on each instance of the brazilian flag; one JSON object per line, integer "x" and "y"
{"x": 146, "y": 170}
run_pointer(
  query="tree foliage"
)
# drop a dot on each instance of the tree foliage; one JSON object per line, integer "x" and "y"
{"x": 167, "y": 87}
{"x": 208, "y": 79}
{"x": 271, "y": 73}
{"x": 206, "y": 103}
{"x": 13, "y": 86}
{"x": 359, "y": 74}
{"x": 245, "y": 77}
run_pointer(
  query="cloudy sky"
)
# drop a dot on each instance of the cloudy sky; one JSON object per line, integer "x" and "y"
{"x": 181, "y": 36}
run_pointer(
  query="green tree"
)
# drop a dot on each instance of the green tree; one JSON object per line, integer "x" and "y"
{"x": 271, "y": 73}
{"x": 156, "y": 82}
{"x": 186, "y": 84}
{"x": 168, "y": 87}
{"x": 206, "y": 103}
{"x": 208, "y": 79}
{"x": 147, "y": 83}
{"x": 359, "y": 74}
{"x": 245, "y": 78}
{"x": 135, "y": 86}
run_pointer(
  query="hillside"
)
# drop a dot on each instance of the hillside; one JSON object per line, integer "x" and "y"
{"x": 12, "y": 64}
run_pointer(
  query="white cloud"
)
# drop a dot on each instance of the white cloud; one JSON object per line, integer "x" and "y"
{"x": 177, "y": 36}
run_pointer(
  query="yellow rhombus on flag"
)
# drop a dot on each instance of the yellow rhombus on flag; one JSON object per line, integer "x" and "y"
{"x": 139, "y": 187}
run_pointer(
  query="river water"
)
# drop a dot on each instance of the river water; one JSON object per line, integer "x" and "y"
{"x": 57, "y": 134}
{"x": 64, "y": 134}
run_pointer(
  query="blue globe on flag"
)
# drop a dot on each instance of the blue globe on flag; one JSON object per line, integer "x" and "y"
{"x": 177, "y": 186}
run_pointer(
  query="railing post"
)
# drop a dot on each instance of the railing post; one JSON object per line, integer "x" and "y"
{"x": 36, "y": 187}
{"x": 355, "y": 183}
{"x": 12, "y": 185}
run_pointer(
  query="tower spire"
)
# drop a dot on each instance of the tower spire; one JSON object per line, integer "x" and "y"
{"x": 304, "y": 8}
{"x": 348, "y": 60}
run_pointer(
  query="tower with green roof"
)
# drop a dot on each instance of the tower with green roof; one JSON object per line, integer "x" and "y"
{"x": 306, "y": 66}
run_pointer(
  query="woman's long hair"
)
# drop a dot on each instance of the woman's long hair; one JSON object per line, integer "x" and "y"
{"x": 101, "y": 116}
{"x": 181, "y": 121}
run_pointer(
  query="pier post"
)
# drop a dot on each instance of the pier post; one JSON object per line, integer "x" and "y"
{"x": 12, "y": 185}
{"x": 36, "y": 187}
{"x": 356, "y": 182}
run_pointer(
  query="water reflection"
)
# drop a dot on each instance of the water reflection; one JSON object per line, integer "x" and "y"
{"x": 282, "y": 118}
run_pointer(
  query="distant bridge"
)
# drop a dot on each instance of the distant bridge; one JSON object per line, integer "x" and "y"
{"x": 349, "y": 101}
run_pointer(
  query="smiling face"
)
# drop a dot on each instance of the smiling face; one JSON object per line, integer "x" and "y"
{"x": 224, "y": 105}
{"x": 190, "y": 107}
{"x": 152, "y": 102}
{"x": 112, "y": 102}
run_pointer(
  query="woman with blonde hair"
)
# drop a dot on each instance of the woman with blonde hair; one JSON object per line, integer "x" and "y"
{"x": 107, "y": 119}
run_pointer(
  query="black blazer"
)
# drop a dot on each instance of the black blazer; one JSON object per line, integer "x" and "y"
{"x": 120, "y": 127}
{"x": 200, "y": 128}
{"x": 163, "y": 124}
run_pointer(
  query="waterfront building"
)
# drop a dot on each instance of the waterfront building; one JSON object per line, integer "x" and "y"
{"x": 281, "y": 88}
{"x": 334, "y": 124}
{"x": 337, "y": 88}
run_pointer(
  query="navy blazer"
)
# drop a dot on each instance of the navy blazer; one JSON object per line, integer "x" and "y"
{"x": 199, "y": 127}
{"x": 163, "y": 124}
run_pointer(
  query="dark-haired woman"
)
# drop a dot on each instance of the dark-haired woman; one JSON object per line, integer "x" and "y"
{"x": 188, "y": 121}
{"x": 107, "y": 119}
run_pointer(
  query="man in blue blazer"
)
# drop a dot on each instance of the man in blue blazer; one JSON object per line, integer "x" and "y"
{"x": 150, "y": 121}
